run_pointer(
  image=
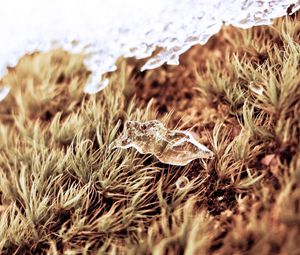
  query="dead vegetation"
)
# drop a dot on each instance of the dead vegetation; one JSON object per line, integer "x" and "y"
{"x": 62, "y": 191}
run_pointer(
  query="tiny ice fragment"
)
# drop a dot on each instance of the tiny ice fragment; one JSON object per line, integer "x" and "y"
{"x": 4, "y": 91}
{"x": 172, "y": 147}
{"x": 182, "y": 182}
{"x": 256, "y": 88}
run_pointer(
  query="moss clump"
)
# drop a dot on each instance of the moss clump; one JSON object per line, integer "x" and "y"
{"x": 62, "y": 191}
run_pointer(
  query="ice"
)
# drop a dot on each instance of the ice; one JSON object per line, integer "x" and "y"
{"x": 93, "y": 87}
{"x": 4, "y": 91}
{"x": 182, "y": 182}
{"x": 172, "y": 147}
{"x": 106, "y": 30}
{"x": 256, "y": 88}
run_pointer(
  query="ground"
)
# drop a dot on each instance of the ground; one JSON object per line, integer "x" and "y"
{"x": 63, "y": 191}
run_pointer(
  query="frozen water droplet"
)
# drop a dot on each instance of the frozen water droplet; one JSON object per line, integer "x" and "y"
{"x": 182, "y": 182}
{"x": 256, "y": 88}
{"x": 172, "y": 147}
{"x": 4, "y": 91}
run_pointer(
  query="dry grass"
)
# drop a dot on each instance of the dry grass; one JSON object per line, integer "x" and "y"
{"x": 63, "y": 191}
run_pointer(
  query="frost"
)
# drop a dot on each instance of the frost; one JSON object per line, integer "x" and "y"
{"x": 4, "y": 91}
{"x": 172, "y": 147}
{"x": 106, "y": 30}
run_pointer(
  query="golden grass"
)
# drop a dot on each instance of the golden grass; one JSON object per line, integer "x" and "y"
{"x": 63, "y": 191}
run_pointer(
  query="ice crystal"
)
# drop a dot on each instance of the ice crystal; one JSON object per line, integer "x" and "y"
{"x": 172, "y": 147}
{"x": 106, "y": 30}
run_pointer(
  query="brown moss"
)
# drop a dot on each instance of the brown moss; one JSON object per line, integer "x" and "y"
{"x": 62, "y": 191}
{"x": 43, "y": 84}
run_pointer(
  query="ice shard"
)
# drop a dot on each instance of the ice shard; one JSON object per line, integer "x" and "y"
{"x": 174, "y": 147}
